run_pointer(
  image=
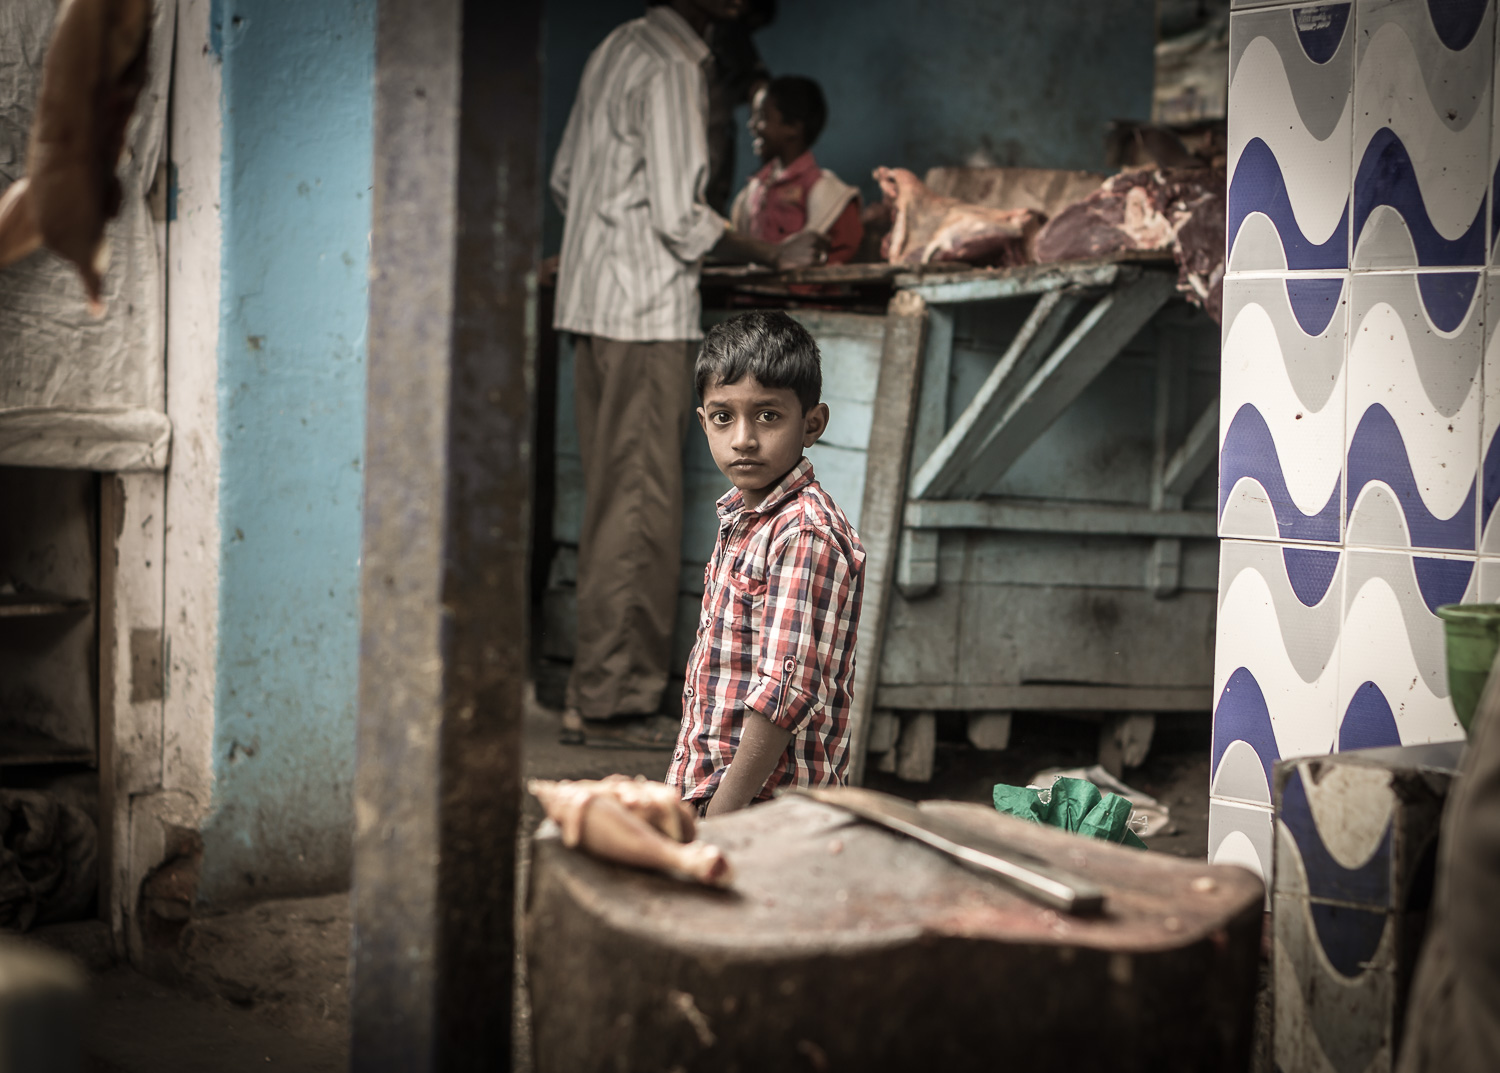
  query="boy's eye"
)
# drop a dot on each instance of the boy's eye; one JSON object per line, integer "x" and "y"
{"x": 769, "y": 415}
{"x": 720, "y": 417}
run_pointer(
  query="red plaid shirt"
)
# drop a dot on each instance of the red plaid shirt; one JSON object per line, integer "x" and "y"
{"x": 780, "y": 609}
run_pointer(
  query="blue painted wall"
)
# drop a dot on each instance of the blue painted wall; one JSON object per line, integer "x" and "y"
{"x": 298, "y": 84}
{"x": 1024, "y": 82}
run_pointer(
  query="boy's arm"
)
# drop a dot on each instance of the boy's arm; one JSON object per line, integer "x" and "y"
{"x": 762, "y": 744}
{"x": 807, "y": 589}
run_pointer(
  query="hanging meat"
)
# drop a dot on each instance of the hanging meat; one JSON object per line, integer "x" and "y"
{"x": 633, "y": 822}
{"x": 1176, "y": 210}
{"x": 93, "y": 72}
{"x": 928, "y": 227}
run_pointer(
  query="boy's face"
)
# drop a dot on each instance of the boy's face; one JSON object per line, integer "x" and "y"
{"x": 771, "y": 136}
{"x": 757, "y": 433}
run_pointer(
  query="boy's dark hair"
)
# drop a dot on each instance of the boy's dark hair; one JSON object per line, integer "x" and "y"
{"x": 766, "y": 344}
{"x": 800, "y": 100}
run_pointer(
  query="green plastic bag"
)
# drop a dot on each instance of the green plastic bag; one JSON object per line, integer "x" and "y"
{"x": 1074, "y": 805}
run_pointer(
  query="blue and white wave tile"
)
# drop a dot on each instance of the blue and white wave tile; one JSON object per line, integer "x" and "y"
{"x": 1291, "y": 78}
{"x": 1335, "y": 941}
{"x": 1489, "y": 581}
{"x": 1489, "y": 471}
{"x": 1423, "y": 94}
{"x": 1414, "y": 410}
{"x": 1282, "y": 401}
{"x": 1276, "y": 662}
{"x": 1393, "y": 675}
{"x": 1241, "y": 834}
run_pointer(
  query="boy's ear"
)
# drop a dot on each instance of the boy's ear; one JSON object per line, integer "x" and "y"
{"x": 814, "y": 424}
{"x": 702, "y": 419}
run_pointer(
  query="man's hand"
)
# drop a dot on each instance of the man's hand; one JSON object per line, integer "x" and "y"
{"x": 802, "y": 250}
{"x": 546, "y": 273}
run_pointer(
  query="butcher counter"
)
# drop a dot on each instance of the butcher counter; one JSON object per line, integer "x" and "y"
{"x": 1027, "y": 455}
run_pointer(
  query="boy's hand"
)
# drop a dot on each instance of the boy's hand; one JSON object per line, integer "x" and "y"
{"x": 802, "y": 250}
{"x": 762, "y": 744}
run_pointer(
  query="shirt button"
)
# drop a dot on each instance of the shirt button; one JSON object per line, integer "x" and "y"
{"x": 790, "y": 663}
{"x": 688, "y": 691}
{"x": 707, "y": 619}
{"x": 678, "y": 754}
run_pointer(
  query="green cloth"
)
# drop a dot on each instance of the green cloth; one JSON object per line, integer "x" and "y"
{"x": 1074, "y": 805}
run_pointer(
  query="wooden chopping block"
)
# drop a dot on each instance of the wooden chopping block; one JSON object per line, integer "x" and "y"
{"x": 842, "y": 946}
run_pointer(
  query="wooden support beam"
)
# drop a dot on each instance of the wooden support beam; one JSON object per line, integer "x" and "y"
{"x": 1164, "y": 564}
{"x": 965, "y": 286}
{"x": 917, "y": 747}
{"x": 443, "y": 634}
{"x": 1058, "y": 516}
{"x": 942, "y": 465}
{"x": 1060, "y": 379}
{"x": 885, "y": 495}
{"x": 1125, "y": 741}
{"x": 917, "y": 558}
{"x": 989, "y": 731}
{"x": 1196, "y": 454}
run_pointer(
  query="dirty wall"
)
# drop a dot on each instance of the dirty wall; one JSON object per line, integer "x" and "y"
{"x": 294, "y": 216}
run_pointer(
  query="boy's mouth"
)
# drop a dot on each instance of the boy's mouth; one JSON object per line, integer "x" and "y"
{"x": 744, "y": 463}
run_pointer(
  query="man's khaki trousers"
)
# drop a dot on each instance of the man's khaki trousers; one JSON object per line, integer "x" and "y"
{"x": 633, "y": 402}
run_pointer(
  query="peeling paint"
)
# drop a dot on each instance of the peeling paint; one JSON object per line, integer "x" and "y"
{"x": 296, "y": 118}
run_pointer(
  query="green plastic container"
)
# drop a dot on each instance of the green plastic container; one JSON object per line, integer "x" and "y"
{"x": 1473, "y": 638}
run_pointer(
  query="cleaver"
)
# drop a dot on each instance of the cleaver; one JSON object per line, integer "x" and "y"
{"x": 1023, "y": 872}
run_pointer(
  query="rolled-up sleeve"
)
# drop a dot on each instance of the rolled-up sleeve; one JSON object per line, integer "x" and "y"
{"x": 807, "y": 585}
{"x": 674, "y": 136}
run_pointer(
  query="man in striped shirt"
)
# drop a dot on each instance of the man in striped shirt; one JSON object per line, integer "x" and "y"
{"x": 770, "y": 681}
{"x": 629, "y": 178}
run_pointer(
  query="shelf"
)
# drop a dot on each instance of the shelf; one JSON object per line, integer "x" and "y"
{"x": 20, "y": 747}
{"x": 36, "y": 604}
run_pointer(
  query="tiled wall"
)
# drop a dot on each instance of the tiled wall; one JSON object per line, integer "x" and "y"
{"x": 1359, "y": 461}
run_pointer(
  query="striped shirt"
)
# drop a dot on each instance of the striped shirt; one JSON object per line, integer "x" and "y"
{"x": 629, "y": 178}
{"x": 776, "y": 636}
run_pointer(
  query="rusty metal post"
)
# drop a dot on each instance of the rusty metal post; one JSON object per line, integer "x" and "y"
{"x": 456, "y": 213}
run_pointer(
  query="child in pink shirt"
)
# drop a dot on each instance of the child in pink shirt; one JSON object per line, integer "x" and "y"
{"x": 791, "y": 193}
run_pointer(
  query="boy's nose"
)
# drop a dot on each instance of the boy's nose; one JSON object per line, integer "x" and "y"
{"x": 744, "y": 435}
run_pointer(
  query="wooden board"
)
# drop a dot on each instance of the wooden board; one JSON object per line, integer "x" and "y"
{"x": 33, "y": 604}
{"x": 885, "y": 494}
{"x": 979, "y": 634}
{"x": 20, "y": 747}
{"x": 933, "y": 966}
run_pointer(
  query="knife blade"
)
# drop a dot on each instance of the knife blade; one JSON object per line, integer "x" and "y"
{"x": 1023, "y": 872}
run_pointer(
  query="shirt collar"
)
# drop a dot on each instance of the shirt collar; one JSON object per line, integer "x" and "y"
{"x": 801, "y": 475}
{"x": 803, "y": 164}
{"x": 663, "y": 19}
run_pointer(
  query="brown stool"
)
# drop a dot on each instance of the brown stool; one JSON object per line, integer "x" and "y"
{"x": 844, "y": 946}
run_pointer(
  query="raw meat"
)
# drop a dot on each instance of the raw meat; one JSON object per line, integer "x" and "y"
{"x": 1180, "y": 210}
{"x": 633, "y": 822}
{"x": 928, "y": 227}
{"x": 91, "y": 76}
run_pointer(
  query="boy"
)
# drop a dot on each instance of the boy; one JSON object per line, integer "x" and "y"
{"x": 791, "y": 194}
{"x": 770, "y": 679}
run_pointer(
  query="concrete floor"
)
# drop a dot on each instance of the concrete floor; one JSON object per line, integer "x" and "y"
{"x": 267, "y": 984}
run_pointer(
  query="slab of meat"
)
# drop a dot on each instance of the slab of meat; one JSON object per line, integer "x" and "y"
{"x": 1180, "y": 210}
{"x": 633, "y": 822}
{"x": 928, "y": 227}
{"x": 92, "y": 74}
